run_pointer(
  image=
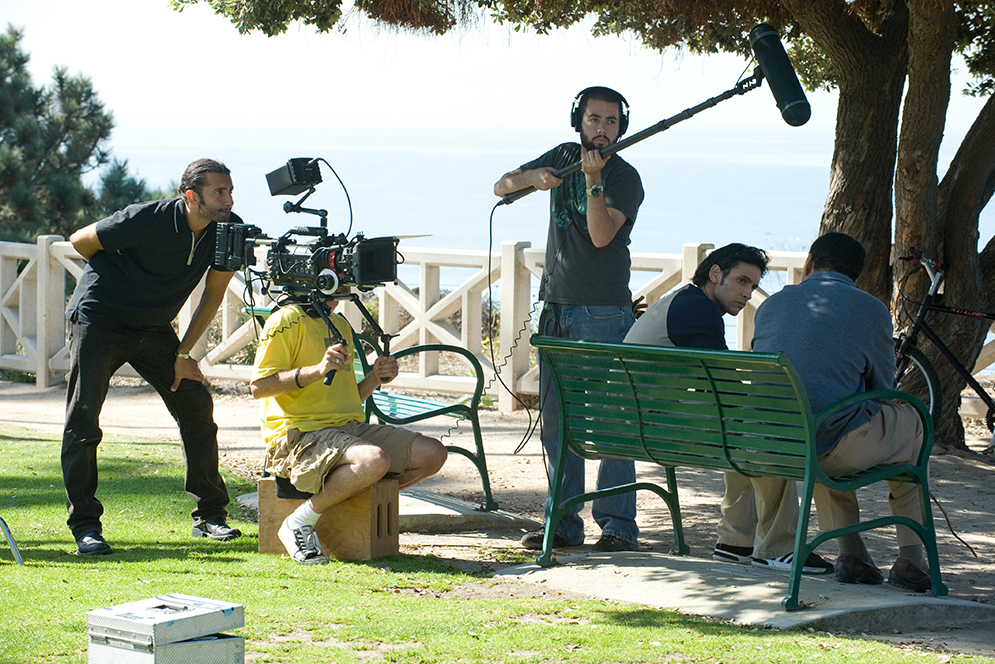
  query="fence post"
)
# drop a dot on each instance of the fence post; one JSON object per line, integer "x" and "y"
{"x": 516, "y": 301}
{"x": 50, "y": 312}
{"x": 693, "y": 253}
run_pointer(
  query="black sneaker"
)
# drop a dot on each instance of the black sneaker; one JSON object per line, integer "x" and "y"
{"x": 609, "y": 543}
{"x": 533, "y": 540}
{"x": 813, "y": 564}
{"x": 216, "y": 529}
{"x": 727, "y": 553}
{"x": 93, "y": 544}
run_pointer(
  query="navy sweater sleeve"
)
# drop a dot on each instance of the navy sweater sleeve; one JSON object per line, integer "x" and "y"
{"x": 694, "y": 321}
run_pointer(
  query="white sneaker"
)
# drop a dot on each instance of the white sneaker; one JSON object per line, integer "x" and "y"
{"x": 302, "y": 544}
{"x": 813, "y": 564}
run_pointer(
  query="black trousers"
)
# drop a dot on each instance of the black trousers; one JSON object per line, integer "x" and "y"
{"x": 96, "y": 354}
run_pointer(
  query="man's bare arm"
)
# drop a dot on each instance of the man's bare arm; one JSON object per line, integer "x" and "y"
{"x": 85, "y": 241}
{"x": 516, "y": 180}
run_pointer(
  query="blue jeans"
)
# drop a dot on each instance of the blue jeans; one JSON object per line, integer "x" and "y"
{"x": 616, "y": 515}
{"x": 96, "y": 354}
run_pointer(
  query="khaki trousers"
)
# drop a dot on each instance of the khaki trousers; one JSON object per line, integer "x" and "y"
{"x": 893, "y": 436}
{"x": 759, "y": 512}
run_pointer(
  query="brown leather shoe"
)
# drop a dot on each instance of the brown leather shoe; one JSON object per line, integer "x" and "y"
{"x": 906, "y": 575}
{"x": 851, "y": 569}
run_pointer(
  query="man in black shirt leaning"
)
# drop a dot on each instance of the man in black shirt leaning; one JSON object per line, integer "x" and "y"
{"x": 585, "y": 287}
{"x": 143, "y": 263}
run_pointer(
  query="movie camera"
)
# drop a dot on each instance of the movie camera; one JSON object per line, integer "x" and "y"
{"x": 299, "y": 267}
{"x": 306, "y": 271}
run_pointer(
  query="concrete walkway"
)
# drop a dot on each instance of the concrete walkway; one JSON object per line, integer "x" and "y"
{"x": 739, "y": 594}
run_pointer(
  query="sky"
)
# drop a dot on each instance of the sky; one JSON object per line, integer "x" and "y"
{"x": 187, "y": 84}
{"x": 190, "y": 73}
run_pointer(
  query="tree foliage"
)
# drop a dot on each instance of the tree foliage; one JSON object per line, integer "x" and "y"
{"x": 889, "y": 59}
{"x": 49, "y": 138}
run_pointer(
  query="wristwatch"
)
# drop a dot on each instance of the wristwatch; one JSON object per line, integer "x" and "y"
{"x": 595, "y": 190}
{"x": 183, "y": 356}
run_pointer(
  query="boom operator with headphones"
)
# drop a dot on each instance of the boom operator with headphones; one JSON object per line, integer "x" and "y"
{"x": 774, "y": 65}
{"x": 585, "y": 286}
{"x": 577, "y": 109}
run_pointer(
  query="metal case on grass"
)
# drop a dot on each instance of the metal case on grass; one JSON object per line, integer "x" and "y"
{"x": 166, "y": 629}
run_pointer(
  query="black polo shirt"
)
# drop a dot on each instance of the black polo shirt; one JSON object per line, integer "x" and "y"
{"x": 150, "y": 264}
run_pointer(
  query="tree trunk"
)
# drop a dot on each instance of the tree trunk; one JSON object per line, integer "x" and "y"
{"x": 932, "y": 30}
{"x": 963, "y": 193}
{"x": 863, "y": 166}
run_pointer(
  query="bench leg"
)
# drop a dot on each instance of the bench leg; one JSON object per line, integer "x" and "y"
{"x": 681, "y": 547}
{"x": 479, "y": 461}
{"x": 928, "y": 537}
{"x": 800, "y": 555}
{"x": 10, "y": 540}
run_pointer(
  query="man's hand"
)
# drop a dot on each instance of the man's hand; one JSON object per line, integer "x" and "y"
{"x": 544, "y": 180}
{"x": 335, "y": 358}
{"x": 592, "y": 162}
{"x": 541, "y": 179}
{"x": 385, "y": 368}
{"x": 639, "y": 306}
{"x": 186, "y": 368}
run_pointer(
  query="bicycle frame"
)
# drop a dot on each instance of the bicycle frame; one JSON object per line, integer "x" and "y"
{"x": 935, "y": 272}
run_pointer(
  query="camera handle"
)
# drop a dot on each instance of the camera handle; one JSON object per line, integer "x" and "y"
{"x": 382, "y": 336}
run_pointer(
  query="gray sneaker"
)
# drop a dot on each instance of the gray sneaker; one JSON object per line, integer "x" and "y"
{"x": 302, "y": 544}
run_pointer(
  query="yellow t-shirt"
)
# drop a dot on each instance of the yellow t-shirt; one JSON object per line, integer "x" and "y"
{"x": 293, "y": 339}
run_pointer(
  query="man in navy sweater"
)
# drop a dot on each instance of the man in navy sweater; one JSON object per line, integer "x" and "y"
{"x": 760, "y": 514}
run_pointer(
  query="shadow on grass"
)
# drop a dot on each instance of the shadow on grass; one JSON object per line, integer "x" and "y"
{"x": 141, "y": 487}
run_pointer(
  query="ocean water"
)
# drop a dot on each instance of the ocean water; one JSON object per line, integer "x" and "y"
{"x": 711, "y": 185}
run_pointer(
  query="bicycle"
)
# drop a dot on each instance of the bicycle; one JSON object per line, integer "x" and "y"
{"x": 912, "y": 363}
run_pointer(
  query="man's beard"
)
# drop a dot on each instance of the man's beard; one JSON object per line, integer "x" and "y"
{"x": 213, "y": 213}
{"x": 588, "y": 143}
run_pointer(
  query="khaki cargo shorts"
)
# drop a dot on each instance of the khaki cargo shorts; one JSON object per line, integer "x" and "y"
{"x": 307, "y": 458}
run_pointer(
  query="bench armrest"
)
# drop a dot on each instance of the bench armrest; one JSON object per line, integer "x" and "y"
{"x": 881, "y": 395}
{"x": 478, "y": 371}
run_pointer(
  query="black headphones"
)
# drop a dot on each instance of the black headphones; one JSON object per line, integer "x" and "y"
{"x": 576, "y": 113}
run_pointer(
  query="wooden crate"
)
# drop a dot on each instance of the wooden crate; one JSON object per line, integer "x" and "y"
{"x": 361, "y": 528}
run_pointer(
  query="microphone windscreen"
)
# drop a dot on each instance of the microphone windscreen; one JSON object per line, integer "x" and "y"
{"x": 780, "y": 75}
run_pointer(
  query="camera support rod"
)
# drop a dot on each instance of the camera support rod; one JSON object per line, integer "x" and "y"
{"x": 742, "y": 87}
{"x": 382, "y": 336}
{"x": 289, "y": 207}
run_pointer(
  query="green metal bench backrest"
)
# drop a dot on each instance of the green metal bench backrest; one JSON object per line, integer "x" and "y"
{"x": 728, "y": 410}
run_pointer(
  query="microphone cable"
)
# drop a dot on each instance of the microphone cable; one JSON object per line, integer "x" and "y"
{"x": 533, "y": 423}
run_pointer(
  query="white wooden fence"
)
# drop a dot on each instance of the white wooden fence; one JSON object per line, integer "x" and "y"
{"x": 33, "y": 296}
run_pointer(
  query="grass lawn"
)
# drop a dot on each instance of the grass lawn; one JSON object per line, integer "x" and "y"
{"x": 397, "y": 609}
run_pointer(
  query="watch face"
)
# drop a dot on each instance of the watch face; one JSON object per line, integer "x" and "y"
{"x": 596, "y": 190}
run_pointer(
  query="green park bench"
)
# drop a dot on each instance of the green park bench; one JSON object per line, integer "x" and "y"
{"x": 402, "y": 409}
{"x": 726, "y": 410}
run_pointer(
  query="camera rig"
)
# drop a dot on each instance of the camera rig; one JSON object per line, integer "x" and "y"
{"x": 307, "y": 265}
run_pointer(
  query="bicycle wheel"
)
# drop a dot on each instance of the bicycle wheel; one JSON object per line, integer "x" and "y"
{"x": 916, "y": 375}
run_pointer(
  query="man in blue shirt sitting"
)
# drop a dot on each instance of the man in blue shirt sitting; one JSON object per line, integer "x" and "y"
{"x": 839, "y": 339}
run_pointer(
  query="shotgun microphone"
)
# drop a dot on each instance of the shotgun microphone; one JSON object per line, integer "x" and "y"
{"x": 777, "y": 69}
